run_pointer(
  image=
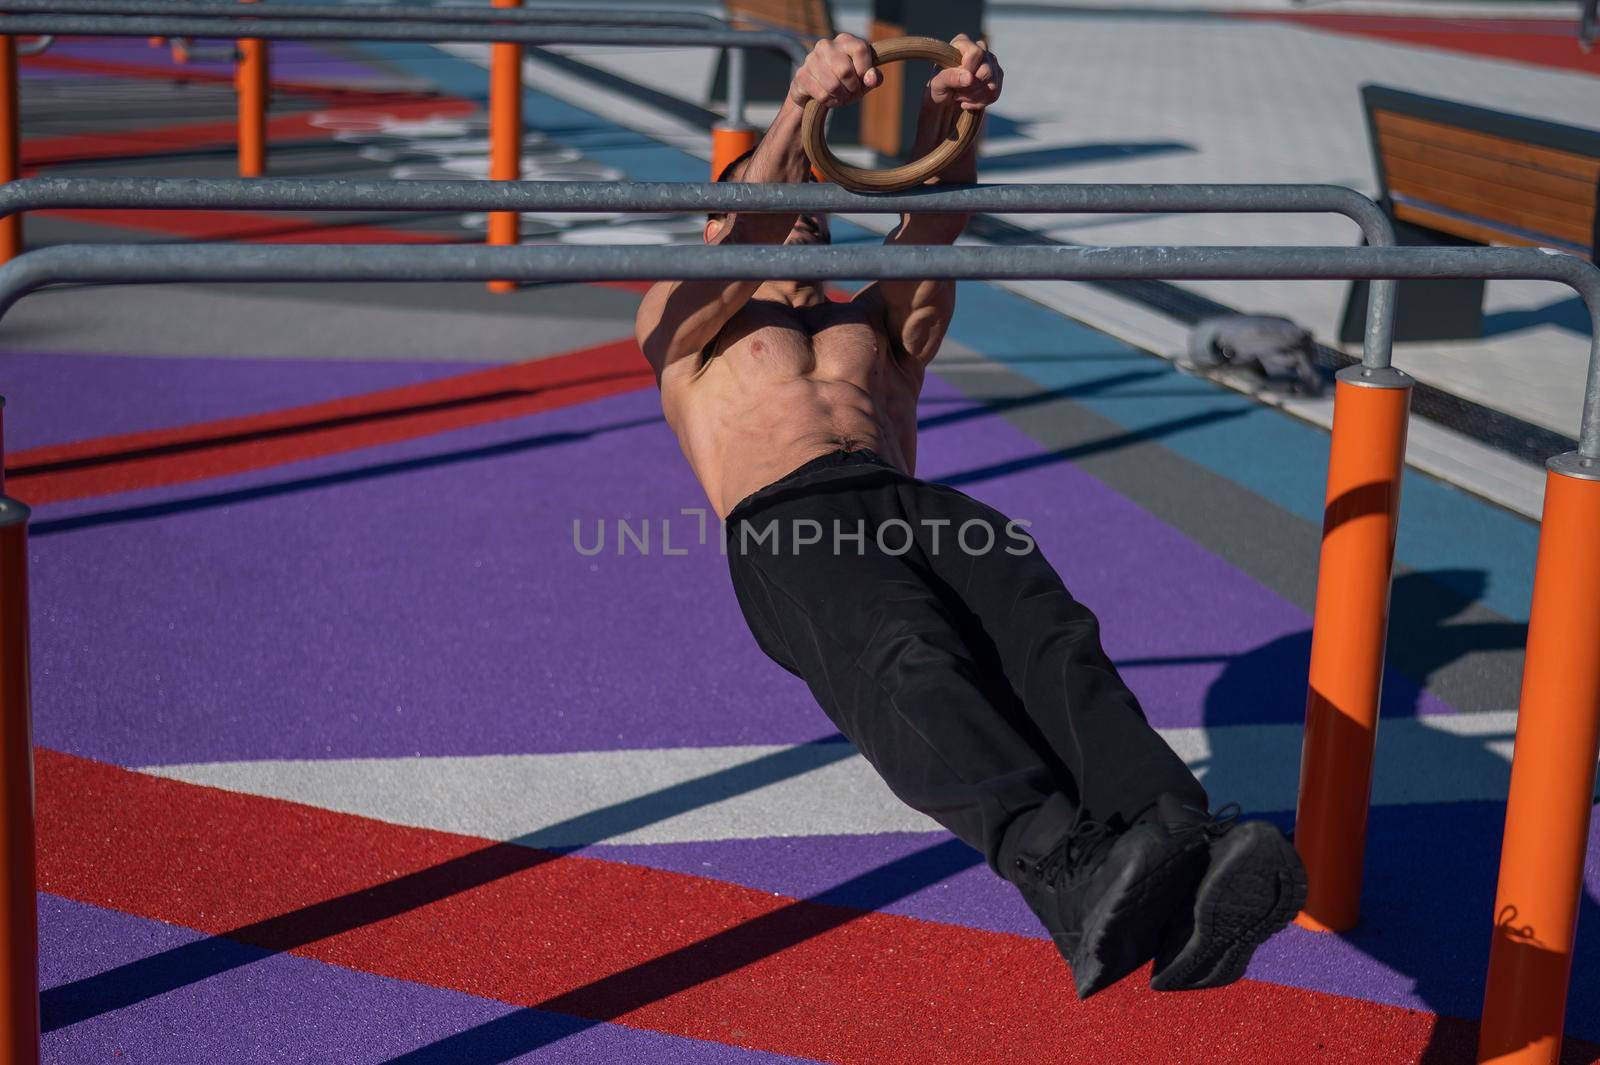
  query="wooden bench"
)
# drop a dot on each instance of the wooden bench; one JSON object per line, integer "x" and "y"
{"x": 1451, "y": 173}
{"x": 809, "y": 18}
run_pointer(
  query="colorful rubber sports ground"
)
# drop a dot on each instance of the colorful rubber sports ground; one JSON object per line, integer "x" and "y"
{"x": 392, "y": 703}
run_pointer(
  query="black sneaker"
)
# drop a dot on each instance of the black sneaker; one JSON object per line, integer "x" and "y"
{"x": 1253, "y": 886}
{"x": 1107, "y": 897}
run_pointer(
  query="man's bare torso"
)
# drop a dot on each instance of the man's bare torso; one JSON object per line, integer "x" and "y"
{"x": 781, "y": 385}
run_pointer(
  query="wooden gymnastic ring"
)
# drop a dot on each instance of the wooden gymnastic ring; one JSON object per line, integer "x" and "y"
{"x": 860, "y": 179}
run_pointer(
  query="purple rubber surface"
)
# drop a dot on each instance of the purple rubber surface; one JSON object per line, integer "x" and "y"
{"x": 427, "y": 598}
{"x": 56, "y": 398}
{"x": 282, "y": 1008}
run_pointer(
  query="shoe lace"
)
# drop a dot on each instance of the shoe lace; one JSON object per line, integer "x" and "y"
{"x": 1075, "y": 853}
{"x": 1213, "y": 824}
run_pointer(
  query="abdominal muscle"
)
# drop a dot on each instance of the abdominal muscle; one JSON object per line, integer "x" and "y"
{"x": 775, "y": 398}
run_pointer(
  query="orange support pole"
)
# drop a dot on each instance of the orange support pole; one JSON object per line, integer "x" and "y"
{"x": 505, "y": 137}
{"x": 10, "y": 146}
{"x": 1552, "y": 781}
{"x": 1365, "y": 460}
{"x": 19, "y": 931}
{"x": 252, "y": 79}
{"x": 727, "y": 144}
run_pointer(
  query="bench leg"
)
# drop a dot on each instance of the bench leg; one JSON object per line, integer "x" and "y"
{"x": 1424, "y": 310}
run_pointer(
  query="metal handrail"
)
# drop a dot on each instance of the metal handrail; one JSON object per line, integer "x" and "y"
{"x": 365, "y": 11}
{"x": 397, "y": 29}
{"x": 122, "y": 263}
{"x": 591, "y": 196}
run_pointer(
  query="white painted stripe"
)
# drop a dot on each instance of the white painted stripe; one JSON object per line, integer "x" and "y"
{"x": 629, "y": 796}
{"x": 711, "y": 793}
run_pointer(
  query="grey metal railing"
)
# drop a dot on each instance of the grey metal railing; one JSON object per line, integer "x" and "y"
{"x": 123, "y": 263}
{"x": 396, "y": 29}
{"x": 432, "y": 24}
{"x": 363, "y": 12}
{"x": 583, "y": 196}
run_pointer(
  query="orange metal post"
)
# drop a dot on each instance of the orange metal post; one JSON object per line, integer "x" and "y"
{"x": 253, "y": 81}
{"x": 10, "y": 145}
{"x": 732, "y": 137}
{"x": 1552, "y": 781}
{"x": 505, "y": 137}
{"x": 19, "y": 933}
{"x": 1351, "y": 621}
{"x": 728, "y": 143}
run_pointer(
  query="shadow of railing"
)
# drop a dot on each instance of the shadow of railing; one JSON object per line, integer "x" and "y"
{"x": 1091, "y": 447}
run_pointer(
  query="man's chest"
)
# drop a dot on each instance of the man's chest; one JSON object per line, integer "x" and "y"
{"x": 844, "y": 340}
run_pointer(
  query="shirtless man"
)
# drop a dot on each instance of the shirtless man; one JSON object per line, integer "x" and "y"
{"x": 929, "y": 627}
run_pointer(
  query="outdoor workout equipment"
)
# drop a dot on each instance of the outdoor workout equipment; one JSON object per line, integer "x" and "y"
{"x": 504, "y": 25}
{"x": 1553, "y": 769}
{"x": 860, "y": 179}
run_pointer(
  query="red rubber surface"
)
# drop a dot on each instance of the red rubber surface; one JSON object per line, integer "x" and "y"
{"x": 187, "y": 137}
{"x": 651, "y": 949}
{"x": 234, "y": 445}
{"x": 1537, "y": 42}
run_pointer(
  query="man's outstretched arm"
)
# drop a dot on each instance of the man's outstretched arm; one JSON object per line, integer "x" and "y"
{"x": 918, "y": 312}
{"x": 679, "y": 318}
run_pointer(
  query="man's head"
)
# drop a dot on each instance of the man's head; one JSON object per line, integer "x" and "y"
{"x": 808, "y": 228}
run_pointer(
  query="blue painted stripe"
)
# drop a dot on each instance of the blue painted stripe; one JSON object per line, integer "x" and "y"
{"x": 1273, "y": 454}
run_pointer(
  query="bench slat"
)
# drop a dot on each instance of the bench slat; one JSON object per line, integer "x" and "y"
{"x": 1495, "y": 201}
{"x": 810, "y": 17}
{"x": 1488, "y": 146}
{"x": 1580, "y": 233}
{"x": 1448, "y": 166}
{"x": 1482, "y": 233}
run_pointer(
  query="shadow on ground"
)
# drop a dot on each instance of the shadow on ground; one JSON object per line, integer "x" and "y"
{"x": 1428, "y": 898}
{"x": 1076, "y": 155}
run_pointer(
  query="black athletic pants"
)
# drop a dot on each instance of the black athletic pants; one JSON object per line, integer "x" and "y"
{"x": 938, "y": 639}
